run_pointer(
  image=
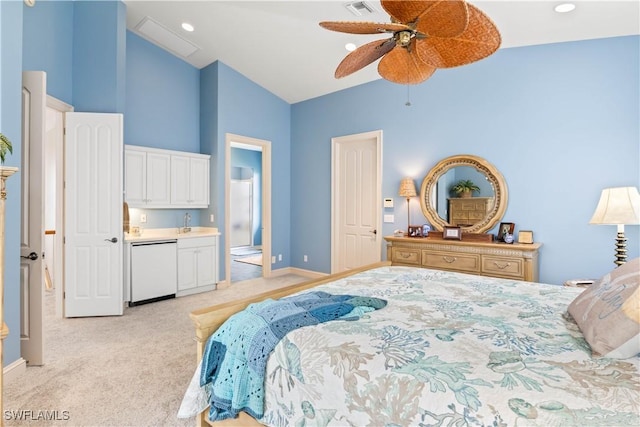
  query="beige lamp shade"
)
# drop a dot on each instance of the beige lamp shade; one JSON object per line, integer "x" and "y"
{"x": 407, "y": 188}
{"x": 618, "y": 206}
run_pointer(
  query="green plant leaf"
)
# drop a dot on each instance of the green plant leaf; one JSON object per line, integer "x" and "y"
{"x": 5, "y": 145}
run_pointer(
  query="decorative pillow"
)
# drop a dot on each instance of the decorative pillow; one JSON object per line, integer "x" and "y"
{"x": 608, "y": 312}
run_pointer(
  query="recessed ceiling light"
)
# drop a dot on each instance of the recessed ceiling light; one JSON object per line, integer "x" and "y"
{"x": 187, "y": 27}
{"x": 350, "y": 47}
{"x": 564, "y": 7}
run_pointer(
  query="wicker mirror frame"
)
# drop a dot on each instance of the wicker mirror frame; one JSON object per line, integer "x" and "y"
{"x": 428, "y": 188}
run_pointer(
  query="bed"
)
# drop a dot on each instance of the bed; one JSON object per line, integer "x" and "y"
{"x": 449, "y": 349}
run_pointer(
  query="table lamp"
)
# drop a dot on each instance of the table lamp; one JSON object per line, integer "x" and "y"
{"x": 408, "y": 190}
{"x": 618, "y": 206}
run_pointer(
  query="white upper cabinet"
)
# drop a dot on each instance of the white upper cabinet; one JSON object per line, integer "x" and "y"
{"x": 156, "y": 178}
{"x": 190, "y": 181}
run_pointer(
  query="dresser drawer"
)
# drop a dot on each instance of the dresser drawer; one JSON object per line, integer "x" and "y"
{"x": 405, "y": 256}
{"x": 506, "y": 267}
{"x": 451, "y": 261}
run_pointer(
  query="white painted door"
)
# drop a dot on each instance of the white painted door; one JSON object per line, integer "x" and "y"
{"x": 356, "y": 200}
{"x": 93, "y": 215}
{"x": 34, "y": 102}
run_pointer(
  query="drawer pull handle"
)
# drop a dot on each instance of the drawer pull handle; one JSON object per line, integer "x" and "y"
{"x": 405, "y": 255}
{"x": 501, "y": 267}
{"x": 449, "y": 259}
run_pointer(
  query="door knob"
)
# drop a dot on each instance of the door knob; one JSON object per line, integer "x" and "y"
{"x": 32, "y": 256}
{"x": 374, "y": 231}
{"x": 112, "y": 240}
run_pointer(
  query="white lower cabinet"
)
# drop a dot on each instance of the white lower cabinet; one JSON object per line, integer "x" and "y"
{"x": 197, "y": 265}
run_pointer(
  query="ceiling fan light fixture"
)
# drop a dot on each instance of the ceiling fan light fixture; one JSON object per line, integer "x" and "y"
{"x": 564, "y": 7}
{"x": 350, "y": 47}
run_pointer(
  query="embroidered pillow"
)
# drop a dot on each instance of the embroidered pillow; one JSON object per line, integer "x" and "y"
{"x": 608, "y": 312}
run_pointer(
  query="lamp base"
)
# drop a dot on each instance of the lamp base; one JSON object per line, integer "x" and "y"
{"x": 621, "y": 249}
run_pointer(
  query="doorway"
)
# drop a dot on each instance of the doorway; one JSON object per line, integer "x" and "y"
{"x": 53, "y": 204}
{"x": 247, "y": 208}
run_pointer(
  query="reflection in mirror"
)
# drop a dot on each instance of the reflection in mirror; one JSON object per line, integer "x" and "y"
{"x": 474, "y": 213}
{"x": 444, "y": 193}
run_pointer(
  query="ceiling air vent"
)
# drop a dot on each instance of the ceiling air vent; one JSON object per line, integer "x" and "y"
{"x": 166, "y": 38}
{"x": 360, "y": 8}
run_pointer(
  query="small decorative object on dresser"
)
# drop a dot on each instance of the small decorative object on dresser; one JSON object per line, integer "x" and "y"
{"x": 505, "y": 228}
{"x": 415, "y": 231}
{"x": 454, "y": 233}
{"x": 525, "y": 236}
{"x": 426, "y": 228}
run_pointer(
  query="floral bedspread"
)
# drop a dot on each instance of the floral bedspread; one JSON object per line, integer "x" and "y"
{"x": 449, "y": 350}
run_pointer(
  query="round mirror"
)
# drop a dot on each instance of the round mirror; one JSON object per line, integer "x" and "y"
{"x": 465, "y": 191}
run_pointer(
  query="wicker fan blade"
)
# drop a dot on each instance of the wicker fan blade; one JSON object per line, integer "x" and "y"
{"x": 363, "y": 27}
{"x": 439, "y": 18}
{"x": 363, "y": 56}
{"x": 404, "y": 67}
{"x": 479, "y": 40}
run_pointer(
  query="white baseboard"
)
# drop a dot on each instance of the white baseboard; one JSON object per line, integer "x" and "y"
{"x": 299, "y": 271}
{"x": 14, "y": 370}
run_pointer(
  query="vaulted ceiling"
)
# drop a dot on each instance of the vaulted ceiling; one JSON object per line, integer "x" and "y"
{"x": 280, "y": 46}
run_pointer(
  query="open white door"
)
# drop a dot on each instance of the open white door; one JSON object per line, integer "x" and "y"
{"x": 93, "y": 214}
{"x": 34, "y": 101}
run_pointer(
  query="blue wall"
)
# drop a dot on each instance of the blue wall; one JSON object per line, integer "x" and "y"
{"x": 233, "y": 104}
{"x": 10, "y": 126}
{"x": 559, "y": 121}
{"x": 50, "y": 48}
{"x": 163, "y": 98}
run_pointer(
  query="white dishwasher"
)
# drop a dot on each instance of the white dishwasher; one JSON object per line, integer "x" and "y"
{"x": 154, "y": 271}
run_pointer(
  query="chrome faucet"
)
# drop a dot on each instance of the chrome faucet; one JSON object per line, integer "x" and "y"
{"x": 187, "y": 223}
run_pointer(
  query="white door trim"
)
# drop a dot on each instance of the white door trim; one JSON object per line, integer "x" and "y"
{"x": 335, "y": 195}
{"x": 266, "y": 201}
{"x": 58, "y": 278}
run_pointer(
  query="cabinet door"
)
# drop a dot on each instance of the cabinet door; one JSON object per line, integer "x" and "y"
{"x": 206, "y": 265}
{"x": 187, "y": 263}
{"x": 135, "y": 177}
{"x": 180, "y": 180}
{"x": 199, "y": 182}
{"x": 158, "y": 179}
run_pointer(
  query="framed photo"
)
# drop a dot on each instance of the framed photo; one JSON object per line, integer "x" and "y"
{"x": 525, "y": 236}
{"x": 505, "y": 228}
{"x": 415, "y": 231}
{"x": 454, "y": 233}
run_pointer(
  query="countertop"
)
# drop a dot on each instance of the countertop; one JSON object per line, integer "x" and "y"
{"x": 153, "y": 234}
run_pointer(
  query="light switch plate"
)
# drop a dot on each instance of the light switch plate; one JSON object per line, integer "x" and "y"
{"x": 389, "y": 218}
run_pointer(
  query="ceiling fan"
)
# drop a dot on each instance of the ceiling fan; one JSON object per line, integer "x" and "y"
{"x": 425, "y": 35}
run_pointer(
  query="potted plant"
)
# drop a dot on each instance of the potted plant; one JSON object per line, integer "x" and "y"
{"x": 5, "y": 145}
{"x": 465, "y": 188}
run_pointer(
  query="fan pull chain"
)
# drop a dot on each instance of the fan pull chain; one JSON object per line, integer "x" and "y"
{"x": 408, "y": 103}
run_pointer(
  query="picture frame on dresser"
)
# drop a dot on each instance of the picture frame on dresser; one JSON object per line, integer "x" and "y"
{"x": 452, "y": 233}
{"x": 505, "y": 228}
{"x": 415, "y": 231}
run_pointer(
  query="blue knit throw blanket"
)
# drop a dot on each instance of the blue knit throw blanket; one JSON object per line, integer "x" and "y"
{"x": 235, "y": 357}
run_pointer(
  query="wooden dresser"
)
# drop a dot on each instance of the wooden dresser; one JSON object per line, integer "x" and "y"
{"x": 468, "y": 211}
{"x": 512, "y": 261}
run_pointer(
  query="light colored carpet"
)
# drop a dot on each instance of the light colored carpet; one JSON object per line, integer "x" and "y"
{"x": 254, "y": 259}
{"x": 129, "y": 370}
